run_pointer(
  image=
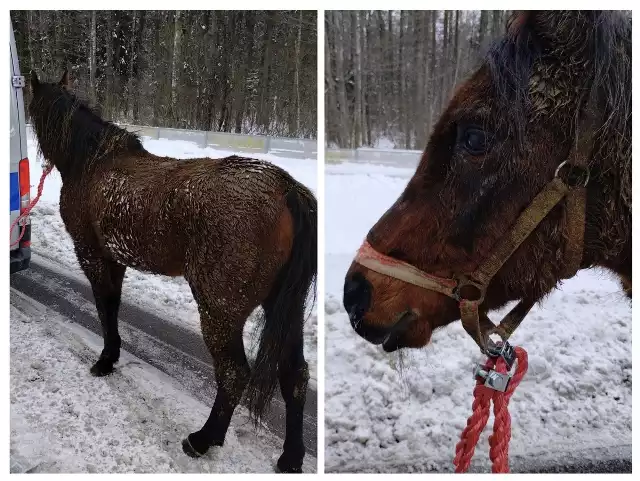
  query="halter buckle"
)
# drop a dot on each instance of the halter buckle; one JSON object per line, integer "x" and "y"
{"x": 573, "y": 181}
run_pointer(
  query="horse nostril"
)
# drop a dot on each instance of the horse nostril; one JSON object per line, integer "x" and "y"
{"x": 357, "y": 296}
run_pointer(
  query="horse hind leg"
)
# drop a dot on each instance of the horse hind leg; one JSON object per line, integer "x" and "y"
{"x": 293, "y": 375}
{"x": 224, "y": 341}
{"x": 284, "y": 317}
{"x": 105, "y": 277}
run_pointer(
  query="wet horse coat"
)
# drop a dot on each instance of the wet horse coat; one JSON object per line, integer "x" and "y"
{"x": 241, "y": 231}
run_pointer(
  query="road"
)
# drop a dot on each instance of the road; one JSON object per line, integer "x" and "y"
{"x": 611, "y": 459}
{"x": 178, "y": 352}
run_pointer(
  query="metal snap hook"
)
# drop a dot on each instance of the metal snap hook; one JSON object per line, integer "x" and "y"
{"x": 504, "y": 350}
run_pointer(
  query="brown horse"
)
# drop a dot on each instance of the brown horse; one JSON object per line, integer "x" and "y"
{"x": 526, "y": 178}
{"x": 241, "y": 231}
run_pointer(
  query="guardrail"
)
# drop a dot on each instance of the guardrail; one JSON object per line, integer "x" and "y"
{"x": 364, "y": 155}
{"x": 279, "y": 146}
{"x": 282, "y": 147}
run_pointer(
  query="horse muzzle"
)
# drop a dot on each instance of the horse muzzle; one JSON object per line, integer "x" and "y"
{"x": 357, "y": 298}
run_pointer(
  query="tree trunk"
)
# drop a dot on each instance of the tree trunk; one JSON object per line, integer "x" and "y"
{"x": 456, "y": 51}
{"x": 92, "y": 59}
{"x": 482, "y": 30}
{"x": 128, "y": 97}
{"x": 331, "y": 116}
{"x": 297, "y": 73}
{"x": 496, "y": 23}
{"x": 30, "y": 47}
{"x": 263, "y": 105}
{"x": 109, "y": 70}
{"x": 341, "y": 81}
{"x": 138, "y": 66}
{"x": 241, "y": 95}
{"x": 357, "y": 117}
{"x": 175, "y": 64}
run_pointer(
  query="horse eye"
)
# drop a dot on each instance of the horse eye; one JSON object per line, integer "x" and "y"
{"x": 474, "y": 141}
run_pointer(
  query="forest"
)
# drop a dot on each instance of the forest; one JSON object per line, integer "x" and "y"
{"x": 250, "y": 72}
{"x": 389, "y": 74}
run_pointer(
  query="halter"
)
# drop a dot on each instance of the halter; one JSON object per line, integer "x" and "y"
{"x": 469, "y": 289}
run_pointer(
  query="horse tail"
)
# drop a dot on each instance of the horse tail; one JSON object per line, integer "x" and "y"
{"x": 293, "y": 290}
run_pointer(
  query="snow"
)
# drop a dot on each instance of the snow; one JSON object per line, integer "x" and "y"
{"x": 384, "y": 143}
{"x": 65, "y": 420}
{"x": 394, "y": 411}
{"x": 169, "y": 297}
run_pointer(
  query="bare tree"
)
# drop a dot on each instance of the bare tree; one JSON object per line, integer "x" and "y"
{"x": 175, "y": 61}
{"x": 92, "y": 59}
{"x": 241, "y": 71}
{"x": 389, "y": 74}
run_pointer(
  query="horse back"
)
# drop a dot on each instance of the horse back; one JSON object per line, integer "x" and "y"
{"x": 152, "y": 213}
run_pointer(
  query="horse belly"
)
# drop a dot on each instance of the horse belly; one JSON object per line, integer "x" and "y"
{"x": 157, "y": 258}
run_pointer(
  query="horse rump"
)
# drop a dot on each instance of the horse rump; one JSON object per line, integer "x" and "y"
{"x": 286, "y": 301}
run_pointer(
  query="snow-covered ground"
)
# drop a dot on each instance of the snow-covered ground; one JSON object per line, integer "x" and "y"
{"x": 166, "y": 296}
{"x": 396, "y": 411}
{"x": 65, "y": 420}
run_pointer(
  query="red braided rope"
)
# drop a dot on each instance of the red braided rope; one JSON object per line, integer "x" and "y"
{"x": 499, "y": 440}
{"x": 31, "y": 205}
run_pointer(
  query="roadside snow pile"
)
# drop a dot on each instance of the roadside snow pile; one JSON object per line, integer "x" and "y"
{"x": 169, "y": 297}
{"x": 65, "y": 420}
{"x": 391, "y": 412}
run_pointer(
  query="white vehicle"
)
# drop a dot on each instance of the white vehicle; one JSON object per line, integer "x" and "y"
{"x": 20, "y": 253}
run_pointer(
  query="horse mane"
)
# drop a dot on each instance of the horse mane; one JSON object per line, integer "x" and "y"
{"x": 601, "y": 41}
{"x": 510, "y": 61}
{"x": 72, "y": 135}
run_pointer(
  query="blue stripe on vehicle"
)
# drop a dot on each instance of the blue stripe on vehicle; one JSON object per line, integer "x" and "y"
{"x": 14, "y": 189}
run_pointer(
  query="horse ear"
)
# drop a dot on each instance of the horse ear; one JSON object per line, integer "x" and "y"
{"x": 64, "y": 81}
{"x": 34, "y": 79}
{"x": 517, "y": 21}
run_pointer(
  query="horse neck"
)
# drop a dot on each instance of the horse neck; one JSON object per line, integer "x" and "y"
{"x": 86, "y": 146}
{"x": 608, "y": 224}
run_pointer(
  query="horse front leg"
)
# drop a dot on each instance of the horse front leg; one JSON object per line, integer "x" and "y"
{"x": 106, "y": 278}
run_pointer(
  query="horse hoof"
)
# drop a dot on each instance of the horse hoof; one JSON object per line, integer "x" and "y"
{"x": 102, "y": 367}
{"x": 283, "y": 467}
{"x": 189, "y": 450}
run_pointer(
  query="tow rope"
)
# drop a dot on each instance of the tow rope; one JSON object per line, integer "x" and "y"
{"x": 25, "y": 213}
{"x": 493, "y": 383}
